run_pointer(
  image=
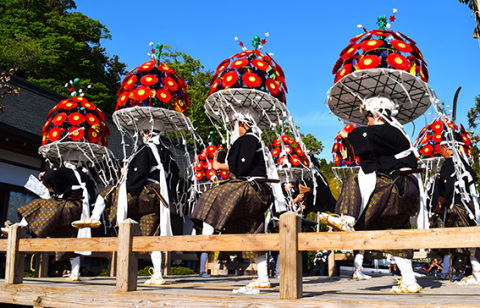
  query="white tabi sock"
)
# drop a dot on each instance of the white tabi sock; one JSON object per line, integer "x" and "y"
{"x": 358, "y": 262}
{"x": 206, "y": 230}
{"x": 262, "y": 267}
{"x": 405, "y": 266}
{"x": 475, "y": 267}
{"x": 23, "y": 222}
{"x": 203, "y": 262}
{"x": 446, "y": 265}
{"x": 75, "y": 263}
{"x": 157, "y": 263}
{"x": 277, "y": 266}
{"x": 98, "y": 208}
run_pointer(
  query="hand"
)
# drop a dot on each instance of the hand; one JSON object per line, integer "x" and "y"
{"x": 299, "y": 198}
{"x": 302, "y": 207}
{"x": 343, "y": 134}
{"x": 40, "y": 175}
{"x": 124, "y": 170}
{"x": 216, "y": 165}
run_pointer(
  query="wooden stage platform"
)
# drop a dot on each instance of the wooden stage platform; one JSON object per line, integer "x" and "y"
{"x": 216, "y": 291}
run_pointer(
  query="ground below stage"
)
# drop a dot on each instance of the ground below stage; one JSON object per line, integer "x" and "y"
{"x": 216, "y": 291}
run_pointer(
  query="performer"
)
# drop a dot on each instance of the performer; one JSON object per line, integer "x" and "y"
{"x": 238, "y": 205}
{"x": 149, "y": 190}
{"x": 71, "y": 189}
{"x": 384, "y": 194}
{"x": 457, "y": 210}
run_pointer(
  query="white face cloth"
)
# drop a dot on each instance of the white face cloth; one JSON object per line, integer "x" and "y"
{"x": 235, "y": 133}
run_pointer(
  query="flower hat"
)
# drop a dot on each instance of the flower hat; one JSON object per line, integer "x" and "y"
{"x": 429, "y": 138}
{"x": 342, "y": 151}
{"x": 203, "y": 165}
{"x": 75, "y": 124}
{"x": 152, "y": 84}
{"x": 250, "y": 79}
{"x": 289, "y": 157}
{"x": 380, "y": 61}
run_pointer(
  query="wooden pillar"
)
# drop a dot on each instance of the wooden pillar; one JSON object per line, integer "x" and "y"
{"x": 113, "y": 264}
{"x": 291, "y": 285}
{"x": 15, "y": 264}
{"x": 331, "y": 263}
{"x": 166, "y": 263}
{"x": 127, "y": 261}
{"x": 41, "y": 260}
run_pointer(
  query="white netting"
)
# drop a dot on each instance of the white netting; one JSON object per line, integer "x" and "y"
{"x": 413, "y": 96}
{"x": 177, "y": 129}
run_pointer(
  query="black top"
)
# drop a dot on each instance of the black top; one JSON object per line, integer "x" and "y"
{"x": 377, "y": 145}
{"x": 141, "y": 165}
{"x": 245, "y": 157}
{"x": 448, "y": 178}
{"x": 61, "y": 180}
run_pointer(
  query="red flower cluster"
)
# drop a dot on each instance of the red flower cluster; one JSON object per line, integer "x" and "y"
{"x": 153, "y": 85}
{"x": 204, "y": 172}
{"x": 75, "y": 119}
{"x": 366, "y": 52}
{"x": 429, "y": 138}
{"x": 250, "y": 69}
{"x": 340, "y": 152}
{"x": 286, "y": 152}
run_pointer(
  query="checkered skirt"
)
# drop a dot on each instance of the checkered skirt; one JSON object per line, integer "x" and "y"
{"x": 235, "y": 207}
{"x": 51, "y": 217}
{"x": 385, "y": 210}
{"x": 143, "y": 207}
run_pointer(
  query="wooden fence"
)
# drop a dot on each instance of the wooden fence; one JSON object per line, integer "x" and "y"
{"x": 289, "y": 242}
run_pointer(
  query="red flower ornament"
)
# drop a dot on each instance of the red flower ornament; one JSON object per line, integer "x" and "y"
{"x": 163, "y": 95}
{"x": 59, "y": 119}
{"x": 401, "y": 46}
{"x": 130, "y": 82}
{"x": 273, "y": 86}
{"x": 229, "y": 79}
{"x": 369, "y": 62}
{"x": 147, "y": 66}
{"x": 372, "y": 44}
{"x": 398, "y": 61}
{"x": 251, "y": 80}
{"x": 149, "y": 80}
{"x": 171, "y": 84}
{"x": 54, "y": 134}
{"x": 260, "y": 64}
{"x": 141, "y": 93}
{"x": 239, "y": 63}
{"x": 76, "y": 118}
{"x": 91, "y": 119}
{"x": 76, "y": 133}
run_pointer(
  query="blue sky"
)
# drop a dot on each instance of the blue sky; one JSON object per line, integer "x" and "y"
{"x": 306, "y": 38}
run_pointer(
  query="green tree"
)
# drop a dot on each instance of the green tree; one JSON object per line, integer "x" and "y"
{"x": 197, "y": 79}
{"x": 50, "y": 44}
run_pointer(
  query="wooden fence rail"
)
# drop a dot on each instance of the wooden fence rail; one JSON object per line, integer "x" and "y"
{"x": 289, "y": 242}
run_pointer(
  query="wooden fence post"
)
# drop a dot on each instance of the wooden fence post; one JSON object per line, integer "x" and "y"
{"x": 331, "y": 263}
{"x": 166, "y": 263}
{"x": 127, "y": 261}
{"x": 43, "y": 261}
{"x": 15, "y": 263}
{"x": 291, "y": 284}
{"x": 113, "y": 264}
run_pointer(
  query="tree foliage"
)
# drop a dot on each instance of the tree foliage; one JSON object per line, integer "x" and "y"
{"x": 197, "y": 79}
{"x": 50, "y": 44}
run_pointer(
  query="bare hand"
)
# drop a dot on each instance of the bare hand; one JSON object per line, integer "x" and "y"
{"x": 124, "y": 170}
{"x": 343, "y": 134}
{"x": 216, "y": 165}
